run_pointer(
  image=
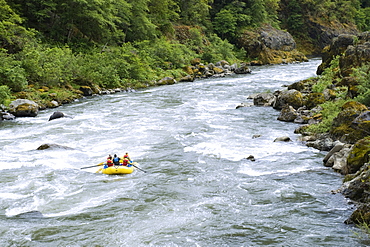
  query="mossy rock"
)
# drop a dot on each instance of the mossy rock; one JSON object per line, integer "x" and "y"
{"x": 292, "y": 97}
{"x": 218, "y": 70}
{"x": 359, "y": 155}
{"x": 342, "y": 124}
{"x": 361, "y": 215}
{"x": 188, "y": 70}
{"x": 195, "y": 61}
{"x": 314, "y": 99}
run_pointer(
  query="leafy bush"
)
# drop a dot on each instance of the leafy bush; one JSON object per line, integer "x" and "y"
{"x": 5, "y": 94}
{"x": 326, "y": 79}
{"x": 330, "y": 110}
{"x": 11, "y": 73}
{"x": 219, "y": 50}
{"x": 47, "y": 66}
{"x": 363, "y": 77}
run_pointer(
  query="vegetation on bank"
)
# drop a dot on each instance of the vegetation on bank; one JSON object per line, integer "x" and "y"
{"x": 50, "y": 48}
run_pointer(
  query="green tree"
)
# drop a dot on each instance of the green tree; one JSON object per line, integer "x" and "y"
{"x": 292, "y": 16}
{"x": 257, "y": 11}
{"x": 195, "y": 12}
{"x": 65, "y": 21}
{"x": 225, "y": 23}
{"x": 163, "y": 14}
{"x": 140, "y": 27}
{"x": 13, "y": 36}
{"x": 12, "y": 74}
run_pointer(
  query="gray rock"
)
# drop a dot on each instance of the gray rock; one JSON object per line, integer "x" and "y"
{"x": 24, "y": 108}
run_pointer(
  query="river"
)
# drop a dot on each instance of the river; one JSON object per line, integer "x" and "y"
{"x": 199, "y": 189}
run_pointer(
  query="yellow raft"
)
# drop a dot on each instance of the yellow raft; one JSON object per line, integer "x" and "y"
{"x": 116, "y": 170}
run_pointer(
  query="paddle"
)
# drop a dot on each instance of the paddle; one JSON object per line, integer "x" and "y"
{"x": 137, "y": 167}
{"x": 100, "y": 164}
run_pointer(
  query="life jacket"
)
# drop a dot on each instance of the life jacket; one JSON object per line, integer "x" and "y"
{"x": 116, "y": 161}
{"x": 125, "y": 161}
{"x": 109, "y": 162}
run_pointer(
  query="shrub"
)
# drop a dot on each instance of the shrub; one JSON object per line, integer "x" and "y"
{"x": 327, "y": 77}
{"x": 11, "y": 73}
{"x": 330, "y": 110}
{"x": 363, "y": 78}
{"x": 47, "y": 66}
{"x": 5, "y": 94}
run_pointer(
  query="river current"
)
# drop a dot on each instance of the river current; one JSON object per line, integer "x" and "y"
{"x": 199, "y": 189}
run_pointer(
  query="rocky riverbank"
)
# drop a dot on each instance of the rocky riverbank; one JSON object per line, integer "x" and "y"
{"x": 347, "y": 135}
{"x": 28, "y": 104}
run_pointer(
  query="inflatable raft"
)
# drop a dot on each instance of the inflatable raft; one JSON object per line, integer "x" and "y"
{"x": 116, "y": 170}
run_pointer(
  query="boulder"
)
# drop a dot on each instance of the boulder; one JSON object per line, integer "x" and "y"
{"x": 270, "y": 46}
{"x": 6, "y": 116}
{"x": 24, "y": 108}
{"x": 358, "y": 156}
{"x": 242, "y": 69}
{"x": 314, "y": 99}
{"x": 323, "y": 143}
{"x": 264, "y": 99}
{"x": 338, "y": 146}
{"x": 30, "y": 215}
{"x": 344, "y": 128}
{"x": 362, "y": 214}
{"x": 339, "y": 159}
{"x": 166, "y": 81}
{"x": 86, "y": 91}
{"x": 187, "y": 78}
{"x": 337, "y": 46}
{"x": 287, "y": 114}
{"x": 291, "y": 97}
{"x": 53, "y": 146}
{"x": 283, "y": 139}
{"x": 58, "y": 114}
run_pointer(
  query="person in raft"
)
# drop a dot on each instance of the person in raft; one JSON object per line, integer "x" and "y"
{"x": 116, "y": 160}
{"x": 109, "y": 162}
{"x": 127, "y": 160}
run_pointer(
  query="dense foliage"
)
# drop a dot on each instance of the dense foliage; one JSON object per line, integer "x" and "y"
{"x": 129, "y": 43}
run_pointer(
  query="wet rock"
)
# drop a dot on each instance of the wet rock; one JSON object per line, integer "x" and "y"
{"x": 358, "y": 156}
{"x": 338, "y": 146}
{"x": 339, "y": 159}
{"x": 6, "y": 116}
{"x": 323, "y": 143}
{"x": 362, "y": 214}
{"x": 283, "y": 139}
{"x": 166, "y": 81}
{"x": 342, "y": 128}
{"x": 251, "y": 158}
{"x": 292, "y": 97}
{"x": 29, "y": 215}
{"x": 57, "y": 115}
{"x": 24, "y": 108}
{"x": 243, "y": 105}
{"x": 86, "y": 91}
{"x": 187, "y": 78}
{"x": 243, "y": 69}
{"x": 264, "y": 99}
{"x": 287, "y": 114}
{"x": 53, "y": 146}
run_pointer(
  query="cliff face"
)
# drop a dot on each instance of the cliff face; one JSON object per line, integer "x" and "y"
{"x": 322, "y": 35}
{"x": 353, "y": 49}
{"x": 267, "y": 45}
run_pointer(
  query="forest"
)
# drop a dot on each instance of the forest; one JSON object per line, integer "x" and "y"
{"x": 51, "y": 46}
